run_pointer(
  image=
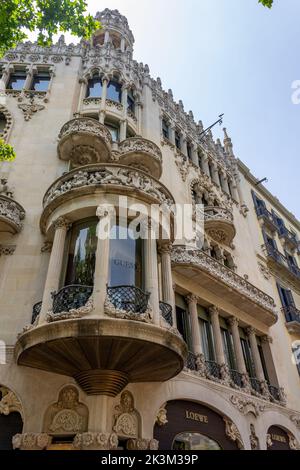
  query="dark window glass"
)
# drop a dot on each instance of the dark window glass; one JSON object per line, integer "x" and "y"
{"x": 165, "y": 129}
{"x": 125, "y": 258}
{"x": 82, "y": 252}
{"x": 210, "y": 168}
{"x": 207, "y": 340}
{"x": 2, "y": 123}
{"x": 200, "y": 161}
{"x": 17, "y": 80}
{"x": 194, "y": 441}
{"x": 248, "y": 358}
{"x": 183, "y": 325}
{"x": 41, "y": 81}
{"x": 189, "y": 151}
{"x": 177, "y": 140}
{"x": 228, "y": 348}
{"x": 114, "y": 92}
{"x": 94, "y": 88}
{"x": 130, "y": 102}
{"x": 286, "y": 297}
{"x": 263, "y": 363}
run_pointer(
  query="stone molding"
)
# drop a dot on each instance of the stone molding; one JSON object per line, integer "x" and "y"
{"x": 31, "y": 441}
{"x": 12, "y": 213}
{"x": 96, "y": 441}
{"x": 140, "y": 145}
{"x": 233, "y": 433}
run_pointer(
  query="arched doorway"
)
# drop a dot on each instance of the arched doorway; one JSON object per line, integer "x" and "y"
{"x": 279, "y": 439}
{"x": 11, "y": 422}
{"x": 192, "y": 426}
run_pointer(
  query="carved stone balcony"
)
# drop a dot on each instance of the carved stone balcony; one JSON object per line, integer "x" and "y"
{"x": 103, "y": 354}
{"x": 281, "y": 265}
{"x": 214, "y": 276}
{"x": 11, "y": 215}
{"x": 83, "y": 141}
{"x": 218, "y": 223}
{"x": 104, "y": 178}
{"x": 142, "y": 154}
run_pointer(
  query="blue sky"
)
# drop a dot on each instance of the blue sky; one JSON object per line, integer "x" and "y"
{"x": 233, "y": 57}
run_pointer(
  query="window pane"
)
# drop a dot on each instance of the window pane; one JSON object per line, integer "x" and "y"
{"x": 41, "y": 82}
{"x": 94, "y": 89}
{"x": 125, "y": 258}
{"x": 82, "y": 252}
{"x": 2, "y": 123}
{"x": 16, "y": 81}
{"x": 114, "y": 92}
{"x": 194, "y": 441}
{"x": 114, "y": 132}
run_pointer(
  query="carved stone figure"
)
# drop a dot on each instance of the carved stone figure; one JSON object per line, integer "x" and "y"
{"x": 126, "y": 418}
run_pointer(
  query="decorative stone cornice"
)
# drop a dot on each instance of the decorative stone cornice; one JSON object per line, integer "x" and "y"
{"x": 221, "y": 274}
{"x": 247, "y": 405}
{"x": 96, "y": 441}
{"x": 31, "y": 441}
{"x": 12, "y": 214}
{"x": 142, "y": 444}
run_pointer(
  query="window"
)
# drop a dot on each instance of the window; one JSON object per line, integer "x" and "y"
{"x": 189, "y": 150}
{"x": 17, "y": 80}
{"x": 114, "y": 91}
{"x": 248, "y": 358}
{"x": 263, "y": 363}
{"x": 125, "y": 258}
{"x": 279, "y": 222}
{"x": 194, "y": 441}
{"x": 207, "y": 340}
{"x": 94, "y": 88}
{"x": 2, "y": 124}
{"x": 260, "y": 205}
{"x": 177, "y": 140}
{"x": 210, "y": 168}
{"x": 165, "y": 129}
{"x": 183, "y": 325}
{"x": 228, "y": 348}
{"x": 286, "y": 296}
{"x": 41, "y": 81}
{"x": 82, "y": 254}
{"x": 114, "y": 131}
{"x": 130, "y": 102}
{"x": 291, "y": 260}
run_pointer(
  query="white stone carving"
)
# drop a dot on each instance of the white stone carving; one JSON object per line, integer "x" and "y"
{"x": 233, "y": 433}
{"x": 9, "y": 402}
{"x": 31, "y": 441}
{"x": 12, "y": 212}
{"x": 126, "y": 419}
{"x": 247, "y": 405}
{"x": 96, "y": 441}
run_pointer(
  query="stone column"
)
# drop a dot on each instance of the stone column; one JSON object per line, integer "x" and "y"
{"x": 184, "y": 145}
{"x": 172, "y": 135}
{"x": 123, "y": 125}
{"x": 255, "y": 353}
{"x": 83, "y": 85}
{"x": 123, "y": 44}
{"x": 106, "y": 37}
{"x": 61, "y": 227}
{"x": 166, "y": 277}
{"x": 224, "y": 183}
{"x": 215, "y": 175}
{"x": 139, "y": 117}
{"x": 105, "y": 82}
{"x": 104, "y": 214}
{"x": 233, "y": 188}
{"x": 195, "y": 155}
{"x": 30, "y": 71}
{"x": 234, "y": 328}
{"x": 196, "y": 336}
{"x": 214, "y": 316}
{"x": 151, "y": 271}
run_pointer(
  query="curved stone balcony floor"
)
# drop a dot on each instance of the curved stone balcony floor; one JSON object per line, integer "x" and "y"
{"x": 141, "y": 153}
{"x": 105, "y": 354}
{"x": 225, "y": 283}
{"x": 11, "y": 215}
{"x": 218, "y": 223}
{"x": 106, "y": 178}
{"x": 84, "y": 140}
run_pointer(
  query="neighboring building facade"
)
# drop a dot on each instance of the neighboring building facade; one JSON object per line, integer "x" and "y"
{"x": 139, "y": 344}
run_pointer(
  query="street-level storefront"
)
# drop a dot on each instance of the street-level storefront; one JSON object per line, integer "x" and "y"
{"x": 194, "y": 426}
{"x": 278, "y": 439}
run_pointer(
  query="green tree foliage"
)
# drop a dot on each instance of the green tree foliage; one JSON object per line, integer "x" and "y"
{"x": 266, "y": 3}
{"x": 7, "y": 153}
{"x": 47, "y": 17}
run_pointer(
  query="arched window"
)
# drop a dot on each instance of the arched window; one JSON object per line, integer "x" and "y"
{"x": 194, "y": 441}
{"x": 114, "y": 91}
{"x": 94, "y": 87}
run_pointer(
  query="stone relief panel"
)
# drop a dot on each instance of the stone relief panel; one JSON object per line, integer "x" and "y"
{"x": 126, "y": 418}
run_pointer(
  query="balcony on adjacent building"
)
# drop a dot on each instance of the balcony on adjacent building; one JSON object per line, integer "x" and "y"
{"x": 222, "y": 281}
{"x": 218, "y": 222}
{"x": 267, "y": 217}
{"x": 280, "y": 263}
{"x": 289, "y": 238}
{"x": 84, "y": 141}
{"x": 142, "y": 154}
{"x": 11, "y": 215}
{"x": 292, "y": 317}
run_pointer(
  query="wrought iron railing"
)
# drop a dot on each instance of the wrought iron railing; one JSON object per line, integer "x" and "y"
{"x": 131, "y": 299}
{"x": 71, "y": 297}
{"x": 36, "y": 310}
{"x": 213, "y": 369}
{"x": 167, "y": 312}
{"x": 236, "y": 377}
{"x": 191, "y": 361}
{"x": 291, "y": 313}
{"x": 291, "y": 237}
{"x": 267, "y": 215}
{"x": 274, "y": 392}
{"x": 281, "y": 259}
{"x": 255, "y": 384}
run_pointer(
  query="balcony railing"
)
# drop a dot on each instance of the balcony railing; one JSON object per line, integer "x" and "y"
{"x": 36, "y": 310}
{"x": 275, "y": 254}
{"x": 288, "y": 236}
{"x": 191, "y": 361}
{"x": 213, "y": 369}
{"x": 71, "y": 297}
{"x": 291, "y": 314}
{"x": 262, "y": 212}
{"x": 130, "y": 299}
{"x": 255, "y": 384}
{"x": 274, "y": 392}
{"x": 236, "y": 377}
{"x": 167, "y": 312}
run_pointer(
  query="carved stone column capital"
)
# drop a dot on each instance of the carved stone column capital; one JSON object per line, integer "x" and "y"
{"x": 233, "y": 321}
{"x": 266, "y": 339}
{"x": 250, "y": 331}
{"x": 192, "y": 299}
{"x": 61, "y": 222}
{"x": 213, "y": 310}
{"x": 7, "y": 249}
{"x": 105, "y": 210}
{"x": 165, "y": 248}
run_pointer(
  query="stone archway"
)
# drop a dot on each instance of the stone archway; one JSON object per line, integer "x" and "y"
{"x": 180, "y": 420}
{"x": 280, "y": 439}
{"x": 11, "y": 421}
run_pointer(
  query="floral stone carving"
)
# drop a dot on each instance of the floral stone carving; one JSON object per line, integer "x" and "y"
{"x": 126, "y": 418}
